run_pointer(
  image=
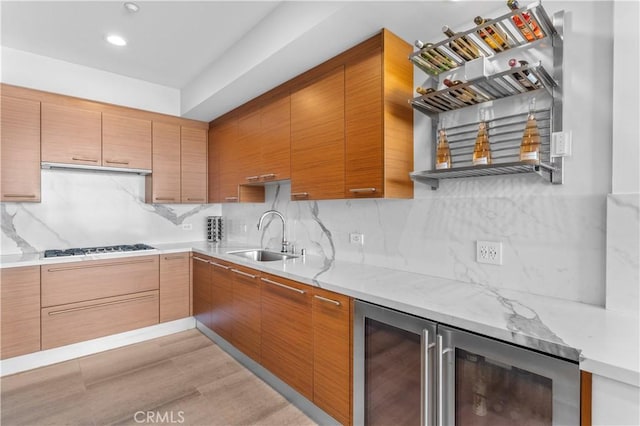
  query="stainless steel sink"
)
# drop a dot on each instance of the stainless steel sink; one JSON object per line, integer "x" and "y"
{"x": 262, "y": 255}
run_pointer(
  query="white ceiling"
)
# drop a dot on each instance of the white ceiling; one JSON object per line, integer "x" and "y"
{"x": 221, "y": 54}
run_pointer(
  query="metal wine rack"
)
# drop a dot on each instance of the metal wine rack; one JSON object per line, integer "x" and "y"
{"x": 500, "y": 85}
{"x": 505, "y": 135}
{"x": 447, "y": 59}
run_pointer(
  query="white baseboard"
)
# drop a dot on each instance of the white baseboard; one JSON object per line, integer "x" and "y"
{"x": 89, "y": 347}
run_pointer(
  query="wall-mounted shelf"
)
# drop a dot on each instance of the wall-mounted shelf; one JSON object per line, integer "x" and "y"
{"x": 441, "y": 57}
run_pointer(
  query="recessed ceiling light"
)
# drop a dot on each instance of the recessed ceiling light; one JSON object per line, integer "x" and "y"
{"x": 116, "y": 40}
{"x": 131, "y": 7}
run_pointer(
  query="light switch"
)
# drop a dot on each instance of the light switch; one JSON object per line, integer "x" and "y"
{"x": 561, "y": 144}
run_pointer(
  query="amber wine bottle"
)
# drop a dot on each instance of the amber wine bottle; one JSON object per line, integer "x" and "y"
{"x": 465, "y": 94}
{"x": 421, "y": 90}
{"x": 482, "y": 150}
{"x": 462, "y": 46}
{"x": 492, "y": 35}
{"x": 443, "y": 153}
{"x": 532, "y": 30}
{"x": 530, "y": 145}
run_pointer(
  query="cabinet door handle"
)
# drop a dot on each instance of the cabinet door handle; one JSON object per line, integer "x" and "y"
{"x": 300, "y": 194}
{"x": 268, "y": 176}
{"x": 165, "y": 199}
{"x": 125, "y": 163}
{"x": 20, "y": 195}
{"x": 200, "y": 259}
{"x": 195, "y": 199}
{"x": 324, "y": 299}
{"x": 297, "y": 290}
{"x": 252, "y": 178}
{"x": 101, "y": 265}
{"x": 97, "y": 305}
{"x": 220, "y": 266}
{"x": 176, "y": 257}
{"x": 362, "y": 190}
{"x": 233, "y": 199}
{"x": 243, "y": 273}
{"x": 84, "y": 159}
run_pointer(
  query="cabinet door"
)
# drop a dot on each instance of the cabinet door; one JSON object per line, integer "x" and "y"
{"x": 213, "y": 167}
{"x": 275, "y": 147}
{"x": 126, "y": 142}
{"x": 364, "y": 165}
{"x": 20, "y": 308}
{"x": 221, "y": 299}
{"x": 71, "y": 135}
{"x": 247, "y": 151}
{"x": 332, "y": 359}
{"x": 246, "y": 311}
{"x": 226, "y": 136}
{"x": 317, "y": 139}
{"x": 287, "y": 349}
{"x": 174, "y": 286}
{"x": 163, "y": 186}
{"x": 201, "y": 289}
{"x": 20, "y": 150}
{"x": 194, "y": 165}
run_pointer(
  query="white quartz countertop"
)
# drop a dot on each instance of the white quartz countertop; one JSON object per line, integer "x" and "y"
{"x": 604, "y": 342}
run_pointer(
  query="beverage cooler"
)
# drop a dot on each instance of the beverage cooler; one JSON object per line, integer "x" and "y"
{"x": 412, "y": 371}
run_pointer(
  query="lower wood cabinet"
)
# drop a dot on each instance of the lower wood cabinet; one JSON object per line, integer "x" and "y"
{"x": 287, "y": 335}
{"x": 20, "y": 311}
{"x": 222, "y": 299}
{"x": 332, "y": 354}
{"x": 246, "y": 328}
{"x": 174, "y": 286}
{"x": 76, "y": 322}
{"x": 201, "y": 289}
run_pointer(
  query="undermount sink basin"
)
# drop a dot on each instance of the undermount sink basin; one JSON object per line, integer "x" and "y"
{"x": 262, "y": 255}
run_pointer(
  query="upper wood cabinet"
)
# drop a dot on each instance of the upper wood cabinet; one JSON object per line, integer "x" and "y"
{"x": 20, "y": 149}
{"x": 275, "y": 146}
{"x": 71, "y": 135}
{"x": 317, "y": 138}
{"x": 126, "y": 142}
{"x": 193, "y": 152}
{"x": 222, "y": 145}
{"x": 163, "y": 185}
{"x": 20, "y": 310}
{"x": 246, "y": 155}
{"x": 379, "y": 120}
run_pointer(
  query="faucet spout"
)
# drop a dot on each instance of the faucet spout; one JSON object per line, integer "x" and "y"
{"x": 285, "y": 243}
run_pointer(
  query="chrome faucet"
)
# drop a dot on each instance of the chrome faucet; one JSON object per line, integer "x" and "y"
{"x": 285, "y": 243}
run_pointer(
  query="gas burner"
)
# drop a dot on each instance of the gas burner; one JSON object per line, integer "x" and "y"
{"x": 96, "y": 250}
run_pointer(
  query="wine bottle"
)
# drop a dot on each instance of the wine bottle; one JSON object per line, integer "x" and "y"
{"x": 462, "y": 46}
{"x": 443, "y": 153}
{"x": 482, "y": 150}
{"x": 421, "y": 90}
{"x": 530, "y": 145}
{"x": 532, "y": 30}
{"x": 529, "y": 81}
{"x": 492, "y": 35}
{"x": 435, "y": 57}
{"x": 464, "y": 94}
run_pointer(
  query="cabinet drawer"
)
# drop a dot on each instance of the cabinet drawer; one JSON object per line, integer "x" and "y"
{"x": 174, "y": 286}
{"x": 246, "y": 311}
{"x": 20, "y": 309}
{"x": 80, "y": 281}
{"x": 76, "y": 322}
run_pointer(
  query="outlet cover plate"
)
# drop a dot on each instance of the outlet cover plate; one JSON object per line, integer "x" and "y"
{"x": 356, "y": 238}
{"x": 489, "y": 252}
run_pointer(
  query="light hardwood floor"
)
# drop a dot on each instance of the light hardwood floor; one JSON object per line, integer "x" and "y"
{"x": 183, "y": 379}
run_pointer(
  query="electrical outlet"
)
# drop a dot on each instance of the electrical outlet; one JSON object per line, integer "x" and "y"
{"x": 187, "y": 227}
{"x": 561, "y": 144}
{"x": 356, "y": 238}
{"x": 489, "y": 252}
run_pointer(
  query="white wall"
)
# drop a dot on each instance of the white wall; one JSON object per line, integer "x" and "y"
{"x": 26, "y": 69}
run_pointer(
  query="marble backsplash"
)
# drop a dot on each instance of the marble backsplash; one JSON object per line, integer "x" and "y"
{"x": 82, "y": 208}
{"x": 552, "y": 245}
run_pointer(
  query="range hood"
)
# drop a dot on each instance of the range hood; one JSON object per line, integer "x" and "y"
{"x": 63, "y": 166}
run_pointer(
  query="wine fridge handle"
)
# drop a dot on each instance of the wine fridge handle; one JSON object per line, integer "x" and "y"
{"x": 440, "y": 412}
{"x": 425, "y": 378}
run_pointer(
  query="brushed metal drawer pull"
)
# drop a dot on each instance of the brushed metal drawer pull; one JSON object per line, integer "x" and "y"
{"x": 176, "y": 257}
{"x": 98, "y": 305}
{"x": 70, "y": 268}
{"x": 361, "y": 190}
{"x": 231, "y": 199}
{"x": 19, "y": 196}
{"x": 243, "y": 273}
{"x": 220, "y": 266}
{"x": 165, "y": 199}
{"x": 297, "y": 290}
{"x": 252, "y": 178}
{"x": 268, "y": 176}
{"x": 195, "y": 199}
{"x": 300, "y": 194}
{"x": 84, "y": 159}
{"x": 126, "y": 163}
{"x": 324, "y": 299}
{"x": 200, "y": 259}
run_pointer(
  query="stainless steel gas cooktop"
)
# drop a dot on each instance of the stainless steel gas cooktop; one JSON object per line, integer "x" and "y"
{"x": 97, "y": 250}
